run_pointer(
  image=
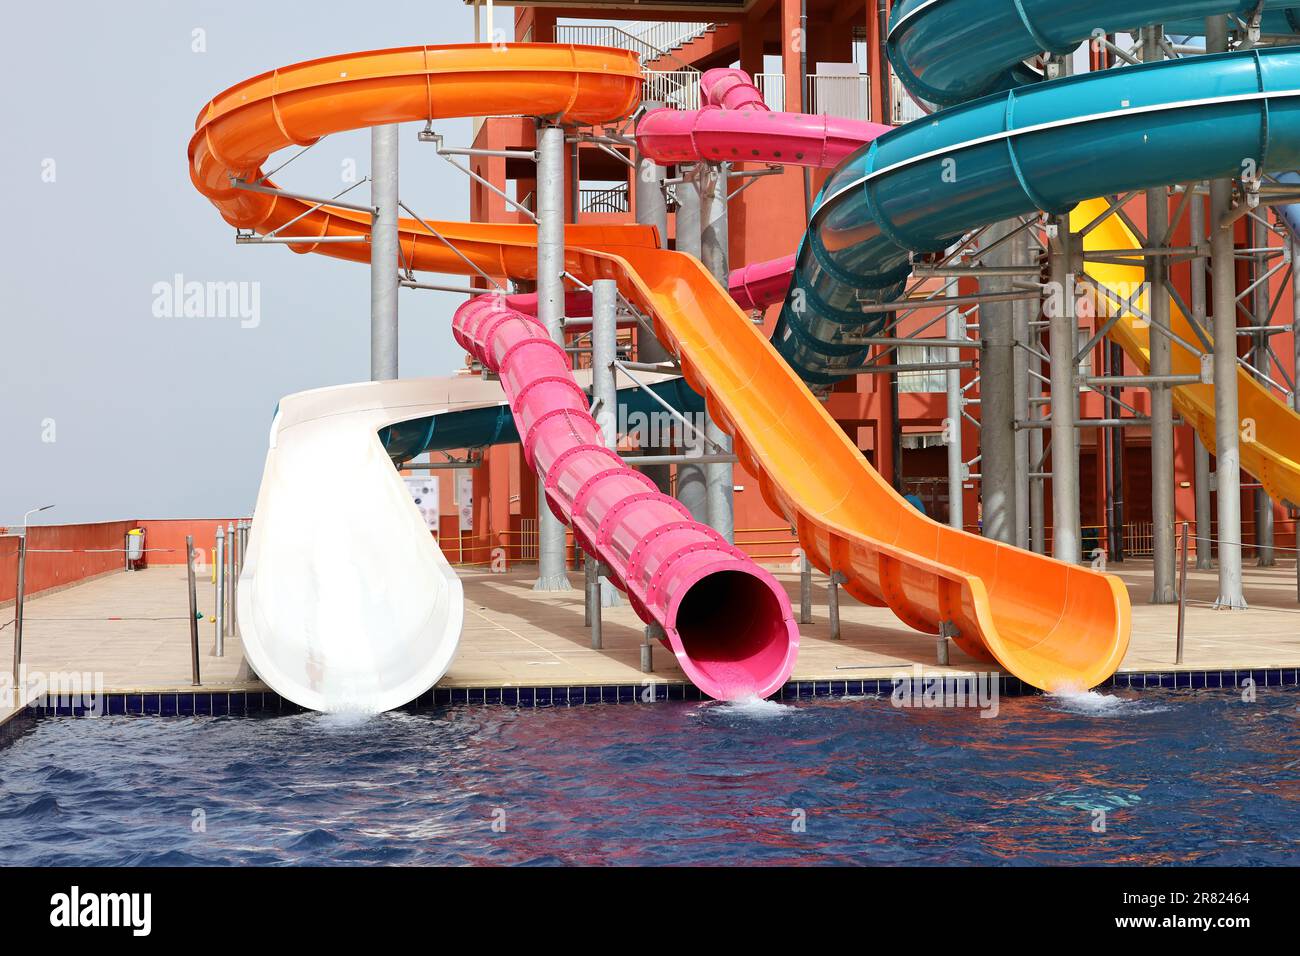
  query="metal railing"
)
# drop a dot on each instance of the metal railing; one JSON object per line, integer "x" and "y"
{"x": 679, "y": 89}
{"x": 594, "y": 34}
{"x": 667, "y": 35}
{"x": 772, "y": 86}
{"x": 845, "y": 96}
{"x": 611, "y": 199}
{"x": 904, "y": 109}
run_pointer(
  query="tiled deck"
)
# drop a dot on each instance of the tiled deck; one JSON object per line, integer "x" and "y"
{"x": 132, "y": 628}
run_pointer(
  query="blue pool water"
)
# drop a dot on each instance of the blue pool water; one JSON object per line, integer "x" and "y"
{"x": 1183, "y": 777}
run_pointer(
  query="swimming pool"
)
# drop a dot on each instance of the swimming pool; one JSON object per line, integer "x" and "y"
{"x": 1171, "y": 777}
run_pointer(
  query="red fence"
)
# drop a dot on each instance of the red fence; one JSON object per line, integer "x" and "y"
{"x": 58, "y": 555}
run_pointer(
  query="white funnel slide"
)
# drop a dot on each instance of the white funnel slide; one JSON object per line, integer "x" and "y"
{"x": 346, "y": 602}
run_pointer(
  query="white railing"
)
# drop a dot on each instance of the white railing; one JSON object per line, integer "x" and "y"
{"x": 679, "y": 89}
{"x": 905, "y": 109}
{"x": 597, "y": 34}
{"x": 668, "y": 36}
{"x": 772, "y": 86}
{"x": 610, "y": 199}
{"x": 847, "y": 96}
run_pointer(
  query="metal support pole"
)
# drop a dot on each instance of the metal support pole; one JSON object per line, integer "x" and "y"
{"x": 232, "y": 574}
{"x": 714, "y": 238}
{"x": 551, "y": 540}
{"x": 1161, "y": 363}
{"x": 19, "y": 596}
{"x": 1259, "y": 314}
{"x": 1227, "y": 435}
{"x": 651, "y": 635}
{"x": 955, "y": 328}
{"x": 586, "y": 588}
{"x": 194, "y": 610}
{"x": 604, "y": 346}
{"x": 1182, "y": 593}
{"x": 1037, "y": 505}
{"x": 237, "y": 568}
{"x": 805, "y": 588}
{"x": 1204, "y": 523}
{"x": 219, "y": 561}
{"x": 1064, "y": 407}
{"x": 383, "y": 253}
{"x": 1295, "y": 368}
{"x": 692, "y": 483}
{"x": 833, "y": 599}
{"x": 652, "y": 210}
{"x": 593, "y": 602}
{"x": 997, "y": 394}
{"x": 947, "y": 630}
{"x": 1022, "y": 313}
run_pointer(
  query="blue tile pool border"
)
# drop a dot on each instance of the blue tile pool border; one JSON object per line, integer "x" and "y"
{"x": 248, "y": 703}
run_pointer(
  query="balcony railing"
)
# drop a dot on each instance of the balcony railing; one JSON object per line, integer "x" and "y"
{"x": 847, "y": 96}
{"x": 609, "y": 199}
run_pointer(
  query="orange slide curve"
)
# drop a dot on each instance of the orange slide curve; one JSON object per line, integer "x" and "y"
{"x": 1055, "y": 626}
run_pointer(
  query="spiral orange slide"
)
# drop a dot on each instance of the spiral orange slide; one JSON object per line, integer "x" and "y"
{"x": 1055, "y": 626}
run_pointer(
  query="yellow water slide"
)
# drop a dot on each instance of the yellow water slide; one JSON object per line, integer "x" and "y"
{"x": 1271, "y": 449}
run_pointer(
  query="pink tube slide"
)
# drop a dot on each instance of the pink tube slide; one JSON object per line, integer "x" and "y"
{"x": 760, "y": 284}
{"x": 737, "y": 125}
{"x": 727, "y": 620}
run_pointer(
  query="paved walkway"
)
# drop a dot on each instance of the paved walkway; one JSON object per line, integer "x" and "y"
{"x": 132, "y": 628}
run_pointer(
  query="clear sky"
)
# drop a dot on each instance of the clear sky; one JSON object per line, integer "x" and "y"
{"x": 107, "y": 409}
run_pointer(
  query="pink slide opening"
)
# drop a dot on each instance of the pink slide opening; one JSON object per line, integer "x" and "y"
{"x": 726, "y": 619}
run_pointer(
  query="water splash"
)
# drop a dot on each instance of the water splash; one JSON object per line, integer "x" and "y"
{"x": 1091, "y": 703}
{"x": 753, "y": 707}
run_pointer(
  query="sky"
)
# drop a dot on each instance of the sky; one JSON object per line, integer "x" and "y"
{"x": 110, "y": 408}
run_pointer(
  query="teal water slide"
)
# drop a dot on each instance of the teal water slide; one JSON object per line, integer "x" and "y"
{"x": 1023, "y": 145}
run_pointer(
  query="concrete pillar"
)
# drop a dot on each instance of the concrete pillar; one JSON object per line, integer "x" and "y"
{"x": 997, "y": 396}
{"x": 1227, "y": 424}
{"x": 552, "y": 543}
{"x": 383, "y": 253}
{"x": 714, "y": 238}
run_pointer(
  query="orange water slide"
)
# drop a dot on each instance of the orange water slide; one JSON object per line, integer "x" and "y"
{"x": 1055, "y": 626}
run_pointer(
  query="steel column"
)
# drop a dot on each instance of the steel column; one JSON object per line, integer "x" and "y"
{"x": 1259, "y": 314}
{"x": 1227, "y": 434}
{"x": 383, "y": 253}
{"x": 692, "y": 483}
{"x": 1064, "y": 404}
{"x": 604, "y": 346}
{"x": 1022, "y": 312}
{"x": 652, "y": 210}
{"x": 1204, "y": 523}
{"x": 714, "y": 238}
{"x": 997, "y": 395}
{"x": 552, "y": 574}
{"x": 956, "y": 329}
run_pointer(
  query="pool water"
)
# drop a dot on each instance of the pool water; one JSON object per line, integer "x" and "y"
{"x": 1157, "y": 777}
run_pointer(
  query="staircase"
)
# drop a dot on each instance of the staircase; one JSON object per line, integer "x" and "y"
{"x": 674, "y": 82}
